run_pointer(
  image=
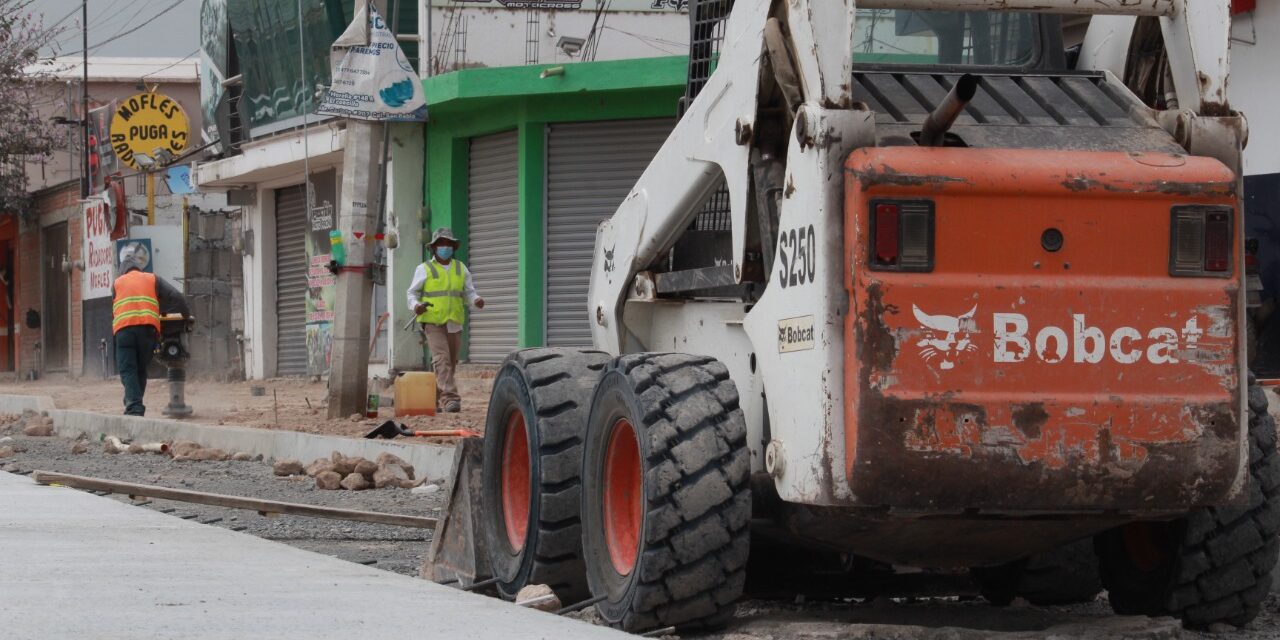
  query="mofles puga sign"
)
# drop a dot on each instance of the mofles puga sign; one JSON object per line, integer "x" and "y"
{"x": 148, "y": 122}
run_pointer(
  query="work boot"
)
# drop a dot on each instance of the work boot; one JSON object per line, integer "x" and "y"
{"x": 452, "y": 406}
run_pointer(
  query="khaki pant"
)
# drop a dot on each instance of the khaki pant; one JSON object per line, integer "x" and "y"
{"x": 444, "y": 360}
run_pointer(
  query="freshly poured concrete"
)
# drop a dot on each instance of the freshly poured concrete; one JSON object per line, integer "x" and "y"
{"x": 74, "y": 565}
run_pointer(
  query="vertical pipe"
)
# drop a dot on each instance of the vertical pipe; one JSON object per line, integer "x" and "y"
{"x": 151, "y": 197}
{"x": 84, "y": 96}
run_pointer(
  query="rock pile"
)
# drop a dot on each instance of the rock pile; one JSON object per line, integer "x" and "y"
{"x": 38, "y": 425}
{"x": 353, "y": 474}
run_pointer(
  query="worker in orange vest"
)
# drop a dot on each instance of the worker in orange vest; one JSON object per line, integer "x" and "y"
{"x": 138, "y": 301}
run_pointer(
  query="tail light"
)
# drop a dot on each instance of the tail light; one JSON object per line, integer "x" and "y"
{"x": 901, "y": 235}
{"x": 1200, "y": 241}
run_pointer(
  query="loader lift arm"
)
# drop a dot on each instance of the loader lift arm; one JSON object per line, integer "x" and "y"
{"x": 801, "y": 50}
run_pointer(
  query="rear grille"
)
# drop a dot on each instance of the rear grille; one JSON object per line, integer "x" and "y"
{"x": 1064, "y": 100}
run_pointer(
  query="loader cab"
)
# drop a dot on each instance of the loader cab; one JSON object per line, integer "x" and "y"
{"x": 953, "y": 40}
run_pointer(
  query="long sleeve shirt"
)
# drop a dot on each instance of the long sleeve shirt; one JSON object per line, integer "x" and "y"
{"x": 414, "y": 295}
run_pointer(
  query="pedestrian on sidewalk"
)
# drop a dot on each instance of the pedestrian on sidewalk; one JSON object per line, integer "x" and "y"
{"x": 441, "y": 290}
{"x": 139, "y": 299}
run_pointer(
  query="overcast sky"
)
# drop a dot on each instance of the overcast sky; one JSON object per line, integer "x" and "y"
{"x": 174, "y": 34}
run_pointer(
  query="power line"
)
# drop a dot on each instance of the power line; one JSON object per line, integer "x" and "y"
{"x": 121, "y": 35}
{"x": 174, "y": 64}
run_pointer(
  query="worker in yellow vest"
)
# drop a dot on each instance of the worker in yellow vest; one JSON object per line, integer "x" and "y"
{"x": 138, "y": 300}
{"x": 442, "y": 289}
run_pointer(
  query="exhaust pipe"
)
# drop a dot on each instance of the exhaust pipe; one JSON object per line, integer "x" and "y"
{"x": 934, "y": 131}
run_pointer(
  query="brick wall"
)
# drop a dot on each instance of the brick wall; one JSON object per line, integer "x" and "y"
{"x": 74, "y": 229}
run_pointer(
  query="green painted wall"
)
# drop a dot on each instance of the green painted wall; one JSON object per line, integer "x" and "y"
{"x": 476, "y": 102}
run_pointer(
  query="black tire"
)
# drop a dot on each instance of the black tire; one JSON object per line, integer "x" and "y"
{"x": 550, "y": 389}
{"x": 690, "y": 536}
{"x": 1213, "y": 566}
{"x": 1066, "y": 575}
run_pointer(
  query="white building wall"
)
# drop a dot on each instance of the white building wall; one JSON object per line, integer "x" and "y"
{"x": 496, "y": 37}
{"x": 1253, "y": 89}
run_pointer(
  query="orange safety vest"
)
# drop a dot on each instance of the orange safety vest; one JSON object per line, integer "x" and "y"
{"x": 136, "y": 302}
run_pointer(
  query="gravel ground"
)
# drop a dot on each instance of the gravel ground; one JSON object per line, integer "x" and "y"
{"x": 398, "y": 549}
{"x": 402, "y": 550}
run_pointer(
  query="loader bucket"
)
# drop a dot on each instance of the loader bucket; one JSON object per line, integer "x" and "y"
{"x": 458, "y": 556}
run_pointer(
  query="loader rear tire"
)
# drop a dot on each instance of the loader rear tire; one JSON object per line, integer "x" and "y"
{"x": 666, "y": 499}
{"x": 1214, "y": 565}
{"x": 1066, "y": 575}
{"x": 532, "y": 469}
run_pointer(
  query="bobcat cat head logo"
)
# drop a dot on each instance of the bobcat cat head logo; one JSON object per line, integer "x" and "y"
{"x": 945, "y": 337}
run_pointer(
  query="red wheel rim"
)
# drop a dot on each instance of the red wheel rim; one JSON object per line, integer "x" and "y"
{"x": 623, "y": 496}
{"x": 515, "y": 481}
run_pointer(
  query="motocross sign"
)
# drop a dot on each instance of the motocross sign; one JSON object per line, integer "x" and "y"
{"x": 147, "y": 123}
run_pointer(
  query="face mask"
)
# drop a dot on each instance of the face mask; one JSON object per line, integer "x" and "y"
{"x": 444, "y": 253}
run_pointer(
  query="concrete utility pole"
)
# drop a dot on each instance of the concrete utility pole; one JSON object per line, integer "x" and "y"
{"x": 357, "y": 221}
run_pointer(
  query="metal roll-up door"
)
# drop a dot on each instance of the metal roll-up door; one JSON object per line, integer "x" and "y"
{"x": 291, "y": 282}
{"x": 591, "y": 167}
{"x": 493, "y": 248}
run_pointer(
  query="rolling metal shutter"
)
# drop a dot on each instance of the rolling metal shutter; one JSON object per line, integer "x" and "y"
{"x": 291, "y": 282}
{"x": 591, "y": 167}
{"x": 493, "y": 249}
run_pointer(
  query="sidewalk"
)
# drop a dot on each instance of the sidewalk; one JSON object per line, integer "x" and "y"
{"x": 73, "y": 565}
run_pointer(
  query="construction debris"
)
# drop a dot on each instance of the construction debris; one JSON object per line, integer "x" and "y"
{"x": 40, "y": 427}
{"x": 328, "y": 480}
{"x": 287, "y": 467}
{"x": 357, "y": 474}
{"x": 538, "y": 596}
{"x": 355, "y": 482}
{"x": 7, "y": 452}
{"x": 80, "y": 447}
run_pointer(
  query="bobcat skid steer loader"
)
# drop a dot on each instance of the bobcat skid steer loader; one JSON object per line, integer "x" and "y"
{"x": 967, "y": 310}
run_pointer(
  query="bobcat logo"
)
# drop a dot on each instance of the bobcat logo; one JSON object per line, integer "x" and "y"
{"x": 945, "y": 337}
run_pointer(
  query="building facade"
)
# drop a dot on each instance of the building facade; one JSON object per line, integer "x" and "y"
{"x": 58, "y": 258}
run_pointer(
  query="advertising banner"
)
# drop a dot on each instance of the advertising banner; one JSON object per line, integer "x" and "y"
{"x": 590, "y": 5}
{"x": 373, "y": 81}
{"x": 151, "y": 124}
{"x": 99, "y": 251}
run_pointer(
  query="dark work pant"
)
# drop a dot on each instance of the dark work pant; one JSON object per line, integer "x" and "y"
{"x": 134, "y": 347}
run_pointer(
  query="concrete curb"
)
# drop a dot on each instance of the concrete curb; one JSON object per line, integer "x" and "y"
{"x": 431, "y": 461}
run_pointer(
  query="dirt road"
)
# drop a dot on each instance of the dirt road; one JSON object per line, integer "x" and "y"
{"x": 292, "y": 404}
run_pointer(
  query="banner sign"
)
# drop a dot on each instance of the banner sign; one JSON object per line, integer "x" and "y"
{"x": 99, "y": 253}
{"x": 149, "y": 123}
{"x": 102, "y": 159}
{"x": 373, "y": 81}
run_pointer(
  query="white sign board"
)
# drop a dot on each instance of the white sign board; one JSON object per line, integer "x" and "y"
{"x": 373, "y": 81}
{"x": 99, "y": 271}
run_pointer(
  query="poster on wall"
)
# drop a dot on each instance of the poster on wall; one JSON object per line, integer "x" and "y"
{"x": 373, "y": 81}
{"x": 614, "y": 5}
{"x": 321, "y": 292}
{"x": 99, "y": 264}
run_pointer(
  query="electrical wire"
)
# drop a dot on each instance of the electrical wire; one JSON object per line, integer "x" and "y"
{"x": 172, "y": 65}
{"x": 113, "y": 38}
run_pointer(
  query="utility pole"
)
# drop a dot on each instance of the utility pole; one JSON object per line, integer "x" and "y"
{"x": 357, "y": 222}
{"x": 84, "y": 97}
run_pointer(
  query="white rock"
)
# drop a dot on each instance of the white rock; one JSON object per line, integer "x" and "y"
{"x": 426, "y": 489}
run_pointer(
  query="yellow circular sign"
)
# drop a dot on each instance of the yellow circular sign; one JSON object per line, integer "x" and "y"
{"x": 151, "y": 124}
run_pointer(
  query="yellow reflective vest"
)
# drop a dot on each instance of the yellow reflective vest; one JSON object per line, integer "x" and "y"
{"x": 443, "y": 293}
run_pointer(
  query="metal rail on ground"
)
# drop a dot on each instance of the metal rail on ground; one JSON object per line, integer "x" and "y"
{"x": 263, "y": 507}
